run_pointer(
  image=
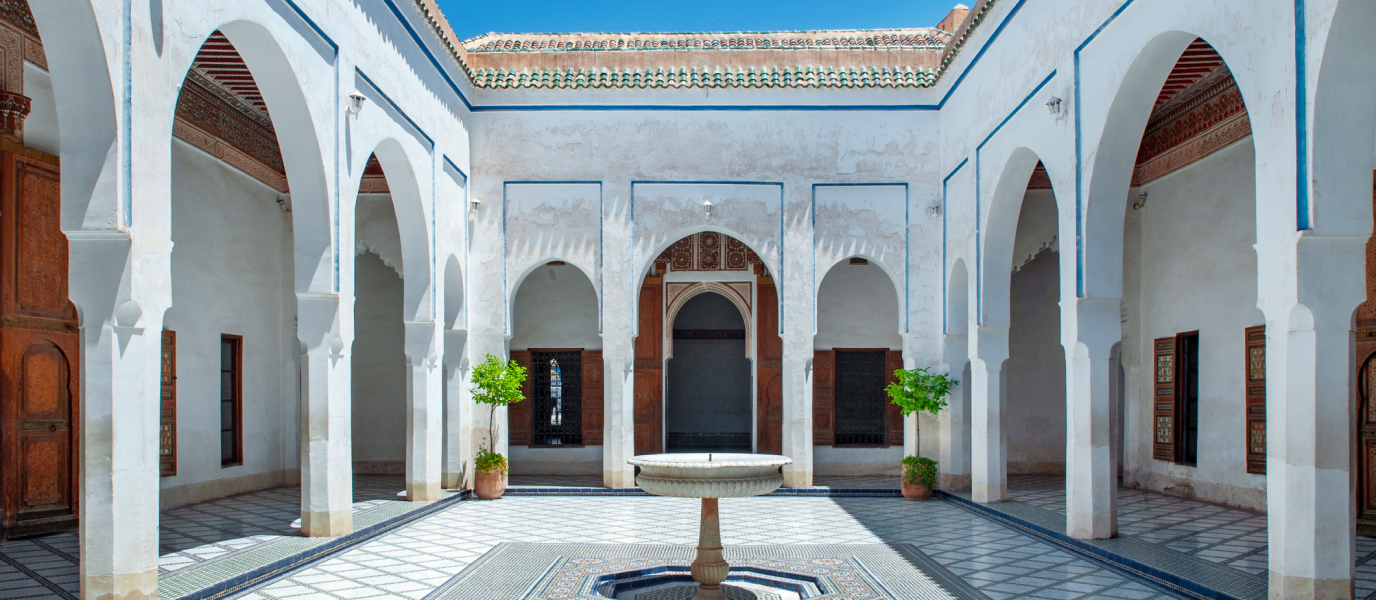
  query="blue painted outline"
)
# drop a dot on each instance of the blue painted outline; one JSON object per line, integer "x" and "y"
{"x": 396, "y": 108}
{"x": 1079, "y": 158}
{"x": 907, "y": 248}
{"x": 945, "y": 274}
{"x": 464, "y": 246}
{"x": 1301, "y": 122}
{"x": 979, "y": 245}
{"x": 635, "y": 279}
{"x": 313, "y": 26}
{"x": 127, "y": 105}
{"x": 339, "y": 152}
{"x": 601, "y": 280}
{"x": 415, "y": 37}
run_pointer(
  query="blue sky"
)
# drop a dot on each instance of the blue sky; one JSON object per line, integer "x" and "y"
{"x": 472, "y": 18}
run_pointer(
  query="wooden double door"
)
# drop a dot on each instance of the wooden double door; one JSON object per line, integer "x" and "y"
{"x": 39, "y": 373}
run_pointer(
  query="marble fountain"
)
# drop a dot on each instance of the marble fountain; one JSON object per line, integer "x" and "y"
{"x": 711, "y": 477}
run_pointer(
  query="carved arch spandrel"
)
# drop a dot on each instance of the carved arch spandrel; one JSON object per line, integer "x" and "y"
{"x": 678, "y": 294}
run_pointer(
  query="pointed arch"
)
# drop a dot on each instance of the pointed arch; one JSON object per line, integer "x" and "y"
{"x": 413, "y": 226}
{"x": 738, "y": 294}
{"x": 993, "y": 271}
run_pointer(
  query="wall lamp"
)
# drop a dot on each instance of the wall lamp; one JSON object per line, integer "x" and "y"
{"x": 934, "y": 211}
{"x": 1054, "y": 105}
{"x": 474, "y": 204}
{"x": 707, "y": 208}
{"x": 355, "y": 104}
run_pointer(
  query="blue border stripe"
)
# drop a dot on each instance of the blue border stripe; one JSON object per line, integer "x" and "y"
{"x": 415, "y": 37}
{"x": 1079, "y": 158}
{"x": 506, "y": 303}
{"x": 979, "y": 246}
{"x": 396, "y": 108}
{"x": 313, "y": 26}
{"x": 945, "y": 274}
{"x": 1301, "y": 122}
{"x": 907, "y": 247}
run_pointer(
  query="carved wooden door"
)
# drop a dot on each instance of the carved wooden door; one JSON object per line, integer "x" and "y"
{"x": 649, "y": 370}
{"x": 769, "y": 410}
{"x": 38, "y": 350}
{"x": 1366, "y": 447}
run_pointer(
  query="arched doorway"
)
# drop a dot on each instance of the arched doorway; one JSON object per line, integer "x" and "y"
{"x": 703, "y": 262}
{"x": 708, "y": 380}
{"x": 378, "y": 365}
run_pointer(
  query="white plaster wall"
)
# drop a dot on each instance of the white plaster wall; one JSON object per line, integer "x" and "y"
{"x": 857, "y": 308}
{"x": 40, "y": 127}
{"x": 1036, "y": 369}
{"x": 858, "y": 462}
{"x": 1191, "y": 258}
{"x": 585, "y": 460}
{"x": 231, "y": 274}
{"x": 378, "y": 369}
{"x": 555, "y": 307}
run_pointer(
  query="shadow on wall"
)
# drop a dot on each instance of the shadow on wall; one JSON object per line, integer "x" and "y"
{"x": 1036, "y": 370}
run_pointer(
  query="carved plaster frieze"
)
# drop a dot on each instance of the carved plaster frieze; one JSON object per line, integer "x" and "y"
{"x": 234, "y": 157}
{"x": 1213, "y": 139}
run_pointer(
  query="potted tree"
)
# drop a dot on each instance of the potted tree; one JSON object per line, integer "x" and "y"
{"x": 919, "y": 390}
{"x": 495, "y": 384}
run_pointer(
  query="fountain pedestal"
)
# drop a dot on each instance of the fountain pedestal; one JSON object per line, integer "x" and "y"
{"x": 709, "y": 477}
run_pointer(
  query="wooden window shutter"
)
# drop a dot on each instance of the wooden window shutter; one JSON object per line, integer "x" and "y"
{"x": 167, "y": 416}
{"x": 1164, "y": 399}
{"x": 823, "y": 397}
{"x": 1256, "y": 399}
{"x": 518, "y": 414}
{"x": 893, "y": 417}
{"x": 592, "y": 397}
{"x": 769, "y": 370}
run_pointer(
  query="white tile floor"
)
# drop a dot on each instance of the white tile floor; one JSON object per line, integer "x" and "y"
{"x": 410, "y": 562}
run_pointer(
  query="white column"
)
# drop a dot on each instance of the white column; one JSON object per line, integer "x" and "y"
{"x": 621, "y": 294}
{"x": 458, "y": 413}
{"x": 1091, "y": 477}
{"x": 326, "y": 413}
{"x": 1309, "y": 428}
{"x": 797, "y": 400}
{"x": 954, "y": 421}
{"x": 118, "y": 422}
{"x": 989, "y": 444}
{"x": 423, "y": 413}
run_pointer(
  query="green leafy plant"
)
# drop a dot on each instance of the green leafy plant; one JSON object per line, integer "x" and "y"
{"x": 917, "y": 469}
{"x": 920, "y": 390}
{"x": 490, "y": 462}
{"x": 495, "y": 384}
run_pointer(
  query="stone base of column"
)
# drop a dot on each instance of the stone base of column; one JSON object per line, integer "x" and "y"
{"x": 327, "y": 524}
{"x": 129, "y": 586}
{"x": 797, "y": 479}
{"x": 1089, "y": 527}
{"x": 1291, "y": 587}
{"x": 985, "y": 493}
{"x": 454, "y": 481}
{"x": 952, "y": 483}
{"x": 428, "y": 491}
{"x": 618, "y": 478}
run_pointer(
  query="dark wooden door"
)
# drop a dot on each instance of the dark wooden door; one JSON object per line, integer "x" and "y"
{"x": 769, "y": 398}
{"x": 649, "y": 370}
{"x": 1366, "y": 447}
{"x": 38, "y": 350}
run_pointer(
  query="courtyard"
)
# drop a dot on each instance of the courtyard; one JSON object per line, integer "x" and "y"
{"x": 455, "y": 549}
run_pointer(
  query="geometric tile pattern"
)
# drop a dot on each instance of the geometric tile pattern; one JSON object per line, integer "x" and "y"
{"x": 999, "y": 561}
{"x": 560, "y": 571}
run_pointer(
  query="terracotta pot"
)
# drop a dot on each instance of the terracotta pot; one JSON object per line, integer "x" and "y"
{"x": 489, "y": 485}
{"x": 912, "y": 491}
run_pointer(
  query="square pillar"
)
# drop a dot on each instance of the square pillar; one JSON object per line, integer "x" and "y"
{"x": 989, "y": 443}
{"x": 1091, "y": 476}
{"x": 424, "y": 411}
{"x": 118, "y": 421}
{"x": 458, "y": 414}
{"x": 326, "y": 413}
{"x": 953, "y": 422}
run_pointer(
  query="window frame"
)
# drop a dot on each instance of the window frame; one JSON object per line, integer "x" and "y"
{"x": 836, "y": 397}
{"x": 566, "y": 412}
{"x": 237, "y": 428}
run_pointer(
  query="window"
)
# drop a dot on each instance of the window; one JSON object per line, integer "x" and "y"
{"x": 231, "y": 400}
{"x": 167, "y": 418}
{"x": 1176, "y": 393}
{"x": 556, "y": 407}
{"x": 860, "y": 399}
{"x": 1188, "y": 346}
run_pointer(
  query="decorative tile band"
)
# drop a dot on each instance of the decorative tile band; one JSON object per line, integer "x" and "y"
{"x": 730, "y": 77}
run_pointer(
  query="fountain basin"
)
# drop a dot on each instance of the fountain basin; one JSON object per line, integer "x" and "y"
{"x": 715, "y": 475}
